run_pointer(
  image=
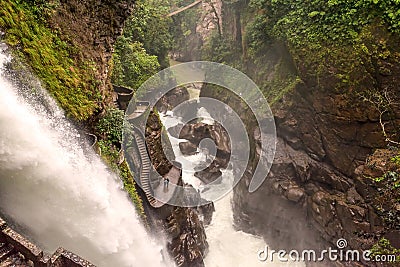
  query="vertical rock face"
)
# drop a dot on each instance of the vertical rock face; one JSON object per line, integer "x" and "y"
{"x": 205, "y": 18}
{"x": 187, "y": 243}
{"x": 93, "y": 26}
{"x": 172, "y": 99}
{"x": 316, "y": 191}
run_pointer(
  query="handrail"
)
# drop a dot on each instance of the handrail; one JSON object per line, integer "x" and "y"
{"x": 145, "y": 169}
{"x": 146, "y": 164}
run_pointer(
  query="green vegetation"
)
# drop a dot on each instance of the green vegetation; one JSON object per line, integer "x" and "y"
{"x": 383, "y": 247}
{"x": 396, "y": 160}
{"x": 110, "y": 126}
{"x": 387, "y": 200}
{"x": 323, "y": 21}
{"x": 110, "y": 155}
{"x": 149, "y": 26}
{"x": 392, "y": 178}
{"x": 143, "y": 49}
{"x": 183, "y": 26}
{"x": 56, "y": 62}
{"x": 132, "y": 65}
{"x": 325, "y": 34}
{"x": 130, "y": 188}
{"x": 221, "y": 49}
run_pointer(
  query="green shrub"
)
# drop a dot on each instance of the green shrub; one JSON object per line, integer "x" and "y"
{"x": 130, "y": 188}
{"x": 108, "y": 152}
{"x": 132, "y": 65}
{"x": 149, "y": 26}
{"x": 110, "y": 126}
{"x": 396, "y": 160}
{"x": 323, "y": 21}
{"x": 388, "y": 198}
{"x": 383, "y": 247}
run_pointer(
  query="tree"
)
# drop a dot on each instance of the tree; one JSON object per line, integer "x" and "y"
{"x": 150, "y": 26}
{"x": 132, "y": 65}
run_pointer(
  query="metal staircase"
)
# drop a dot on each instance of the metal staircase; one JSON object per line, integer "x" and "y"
{"x": 145, "y": 170}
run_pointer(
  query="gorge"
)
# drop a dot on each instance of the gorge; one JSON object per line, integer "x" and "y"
{"x": 328, "y": 70}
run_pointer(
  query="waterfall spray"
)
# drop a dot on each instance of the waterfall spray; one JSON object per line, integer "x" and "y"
{"x": 59, "y": 193}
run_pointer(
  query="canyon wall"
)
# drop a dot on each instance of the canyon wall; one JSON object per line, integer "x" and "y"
{"x": 93, "y": 27}
{"x": 182, "y": 226}
{"x": 319, "y": 189}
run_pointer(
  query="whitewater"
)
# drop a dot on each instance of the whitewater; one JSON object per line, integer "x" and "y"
{"x": 59, "y": 193}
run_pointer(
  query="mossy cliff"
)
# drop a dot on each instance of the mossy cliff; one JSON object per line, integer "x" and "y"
{"x": 68, "y": 45}
{"x": 332, "y": 82}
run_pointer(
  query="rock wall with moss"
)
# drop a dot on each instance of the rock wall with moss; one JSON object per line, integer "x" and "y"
{"x": 330, "y": 72}
{"x": 68, "y": 45}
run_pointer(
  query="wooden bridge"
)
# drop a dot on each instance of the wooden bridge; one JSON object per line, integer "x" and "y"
{"x": 156, "y": 192}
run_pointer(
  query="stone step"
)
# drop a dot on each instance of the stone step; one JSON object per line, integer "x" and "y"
{"x": 5, "y": 251}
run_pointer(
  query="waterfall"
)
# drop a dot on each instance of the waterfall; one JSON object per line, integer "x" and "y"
{"x": 57, "y": 192}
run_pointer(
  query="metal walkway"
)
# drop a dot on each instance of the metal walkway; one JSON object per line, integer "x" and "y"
{"x": 157, "y": 193}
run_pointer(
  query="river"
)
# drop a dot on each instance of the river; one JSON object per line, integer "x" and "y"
{"x": 227, "y": 246}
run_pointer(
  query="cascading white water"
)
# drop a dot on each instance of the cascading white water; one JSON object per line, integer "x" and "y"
{"x": 227, "y": 246}
{"x": 58, "y": 193}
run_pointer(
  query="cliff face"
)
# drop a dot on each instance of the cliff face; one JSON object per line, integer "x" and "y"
{"x": 328, "y": 120}
{"x": 93, "y": 27}
{"x": 187, "y": 244}
{"x": 68, "y": 46}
